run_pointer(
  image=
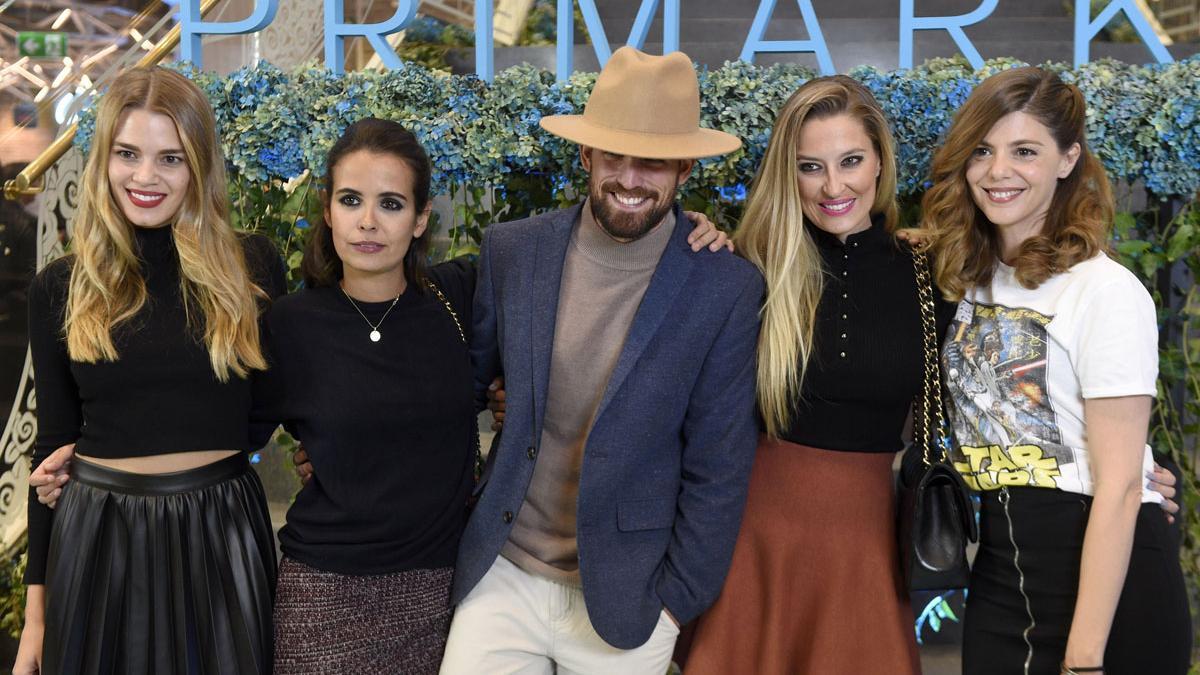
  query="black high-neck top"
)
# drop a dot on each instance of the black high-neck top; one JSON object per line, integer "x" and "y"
{"x": 159, "y": 396}
{"x": 867, "y": 366}
{"x": 389, "y": 426}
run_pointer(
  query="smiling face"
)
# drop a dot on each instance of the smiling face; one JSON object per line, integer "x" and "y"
{"x": 1013, "y": 175}
{"x": 148, "y": 173}
{"x": 374, "y": 219}
{"x": 838, "y": 170}
{"x": 630, "y": 195}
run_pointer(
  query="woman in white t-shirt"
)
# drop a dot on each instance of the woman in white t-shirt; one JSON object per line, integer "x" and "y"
{"x": 1050, "y": 367}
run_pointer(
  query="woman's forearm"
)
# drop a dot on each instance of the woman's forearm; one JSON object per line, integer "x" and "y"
{"x": 1116, "y": 433}
{"x": 35, "y": 604}
{"x": 1106, "y": 548}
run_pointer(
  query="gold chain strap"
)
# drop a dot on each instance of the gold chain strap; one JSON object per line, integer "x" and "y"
{"x": 928, "y": 411}
{"x": 453, "y": 315}
{"x": 478, "y": 469}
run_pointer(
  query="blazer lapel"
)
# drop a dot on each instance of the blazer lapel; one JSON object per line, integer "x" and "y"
{"x": 549, "y": 254}
{"x": 668, "y": 280}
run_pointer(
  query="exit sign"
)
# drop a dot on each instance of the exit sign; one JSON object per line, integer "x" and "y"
{"x": 38, "y": 45}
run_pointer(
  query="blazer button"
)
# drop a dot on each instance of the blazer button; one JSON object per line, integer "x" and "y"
{"x": 531, "y": 452}
{"x": 507, "y": 517}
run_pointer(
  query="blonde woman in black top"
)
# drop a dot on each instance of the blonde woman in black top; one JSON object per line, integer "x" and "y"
{"x": 160, "y": 556}
{"x": 839, "y": 363}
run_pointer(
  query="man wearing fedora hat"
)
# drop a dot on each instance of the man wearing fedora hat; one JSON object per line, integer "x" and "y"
{"x": 614, "y": 493}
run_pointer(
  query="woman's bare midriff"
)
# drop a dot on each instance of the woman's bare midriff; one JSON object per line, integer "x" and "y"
{"x": 166, "y": 463}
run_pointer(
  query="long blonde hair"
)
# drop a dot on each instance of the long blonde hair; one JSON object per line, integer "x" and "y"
{"x": 107, "y": 287}
{"x": 773, "y": 237}
{"x": 965, "y": 245}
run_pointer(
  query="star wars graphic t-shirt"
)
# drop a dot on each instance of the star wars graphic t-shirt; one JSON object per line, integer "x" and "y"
{"x": 1018, "y": 364}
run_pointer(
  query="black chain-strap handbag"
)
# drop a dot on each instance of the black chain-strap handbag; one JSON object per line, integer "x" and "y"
{"x": 936, "y": 516}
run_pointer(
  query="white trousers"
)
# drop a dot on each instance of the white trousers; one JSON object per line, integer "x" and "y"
{"x": 514, "y": 622}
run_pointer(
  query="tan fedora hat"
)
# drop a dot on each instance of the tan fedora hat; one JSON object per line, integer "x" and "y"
{"x": 644, "y": 106}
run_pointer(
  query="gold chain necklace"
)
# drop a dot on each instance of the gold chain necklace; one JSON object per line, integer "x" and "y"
{"x": 375, "y": 334}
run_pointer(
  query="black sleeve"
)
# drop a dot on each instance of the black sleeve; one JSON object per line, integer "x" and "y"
{"x": 58, "y": 408}
{"x": 268, "y": 272}
{"x": 264, "y": 264}
{"x": 267, "y": 389}
{"x": 456, "y": 279}
{"x": 944, "y": 310}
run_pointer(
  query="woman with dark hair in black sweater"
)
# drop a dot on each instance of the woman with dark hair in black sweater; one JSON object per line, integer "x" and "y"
{"x": 370, "y": 370}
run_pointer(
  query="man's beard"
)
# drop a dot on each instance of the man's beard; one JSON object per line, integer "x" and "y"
{"x": 622, "y": 224}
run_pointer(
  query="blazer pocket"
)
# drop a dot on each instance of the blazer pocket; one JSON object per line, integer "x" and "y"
{"x": 646, "y": 514}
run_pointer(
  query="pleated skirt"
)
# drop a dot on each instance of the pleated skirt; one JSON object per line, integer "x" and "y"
{"x": 1025, "y": 581}
{"x": 376, "y": 624}
{"x": 160, "y": 574}
{"x": 815, "y": 582}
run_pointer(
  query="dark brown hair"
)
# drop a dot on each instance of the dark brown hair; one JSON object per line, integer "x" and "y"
{"x": 966, "y": 245}
{"x": 321, "y": 265}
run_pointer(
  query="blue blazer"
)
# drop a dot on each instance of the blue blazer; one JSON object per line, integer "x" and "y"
{"x": 667, "y": 461}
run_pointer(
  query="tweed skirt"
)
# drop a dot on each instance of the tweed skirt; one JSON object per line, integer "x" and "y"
{"x": 160, "y": 573}
{"x": 815, "y": 582}
{"x": 340, "y": 623}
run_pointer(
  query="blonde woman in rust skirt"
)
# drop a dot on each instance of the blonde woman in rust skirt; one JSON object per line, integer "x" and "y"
{"x": 815, "y": 581}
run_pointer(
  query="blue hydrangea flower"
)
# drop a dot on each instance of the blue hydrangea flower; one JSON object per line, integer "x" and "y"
{"x": 85, "y": 130}
{"x": 1143, "y": 121}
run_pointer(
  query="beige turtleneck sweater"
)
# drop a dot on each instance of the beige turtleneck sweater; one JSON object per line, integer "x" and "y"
{"x": 603, "y": 282}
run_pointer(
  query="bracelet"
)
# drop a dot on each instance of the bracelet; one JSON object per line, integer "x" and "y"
{"x": 1076, "y": 670}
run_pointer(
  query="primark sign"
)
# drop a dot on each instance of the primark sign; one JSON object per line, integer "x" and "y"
{"x": 337, "y": 29}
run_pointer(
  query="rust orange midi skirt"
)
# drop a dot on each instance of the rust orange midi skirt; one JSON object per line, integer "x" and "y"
{"x": 815, "y": 583}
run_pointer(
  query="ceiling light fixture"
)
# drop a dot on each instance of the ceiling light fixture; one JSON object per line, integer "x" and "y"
{"x": 91, "y": 60}
{"x": 60, "y": 78}
{"x": 146, "y": 44}
{"x": 62, "y": 18}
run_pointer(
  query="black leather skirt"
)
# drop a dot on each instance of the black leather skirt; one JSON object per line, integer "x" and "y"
{"x": 164, "y": 573}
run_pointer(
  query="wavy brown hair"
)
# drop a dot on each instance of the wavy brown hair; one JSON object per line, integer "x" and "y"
{"x": 773, "y": 236}
{"x": 965, "y": 244}
{"x": 107, "y": 287}
{"x": 321, "y": 265}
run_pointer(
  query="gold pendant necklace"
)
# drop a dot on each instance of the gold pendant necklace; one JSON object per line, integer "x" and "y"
{"x": 375, "y": 335}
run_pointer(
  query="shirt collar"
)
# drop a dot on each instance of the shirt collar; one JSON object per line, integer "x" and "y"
{"x": 872, "y": 236}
